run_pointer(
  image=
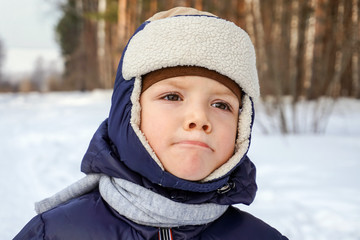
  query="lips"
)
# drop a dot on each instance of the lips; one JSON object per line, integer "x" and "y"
{"x": 194, "y": 143}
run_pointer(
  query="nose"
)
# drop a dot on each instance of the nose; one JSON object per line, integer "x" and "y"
{"x": 197, "y": 119}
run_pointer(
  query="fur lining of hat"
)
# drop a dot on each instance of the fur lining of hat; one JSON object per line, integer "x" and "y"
{"x": 202, "y": 41}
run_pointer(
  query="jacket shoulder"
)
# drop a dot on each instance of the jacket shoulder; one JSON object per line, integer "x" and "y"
{"x": 33, "y": 230}
{"x": 85, "y": 217}
{"x": 237, "y": 224}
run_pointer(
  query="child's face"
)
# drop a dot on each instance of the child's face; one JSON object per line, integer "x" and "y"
{"x": 190, "y": 123}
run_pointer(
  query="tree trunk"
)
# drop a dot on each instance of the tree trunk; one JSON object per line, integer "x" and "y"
{"x": 294, "y": 41}
{"x": 309, "y": 47}
{"x": 255, "y": 28}
{"x": 153, "y": 7}
{"x": 319, "y": 59}
{"x": 241, "y": 13}
{"x": 101, "y": 47}
{"x": 122, "y": 22}
{"x": 199, "y": 4}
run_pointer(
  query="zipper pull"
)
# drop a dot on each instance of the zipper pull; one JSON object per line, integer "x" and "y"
{"x": 165, "y": 234}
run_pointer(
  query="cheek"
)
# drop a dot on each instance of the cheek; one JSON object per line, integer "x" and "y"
{"x": 147, "y": 122}
{"x": 153, "y": 126}
{"x": 228, "y": 135}
{"x": 229, "y": 139}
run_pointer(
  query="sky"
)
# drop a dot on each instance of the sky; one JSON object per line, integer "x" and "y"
{"x": 27, "y": 33}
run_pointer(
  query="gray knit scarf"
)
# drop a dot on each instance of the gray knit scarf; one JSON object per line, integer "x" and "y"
{"x": 137, "y": 203}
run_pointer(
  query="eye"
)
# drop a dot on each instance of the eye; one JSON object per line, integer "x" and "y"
{"x": 222, "y": 106}
{"x": 172, "y": 97}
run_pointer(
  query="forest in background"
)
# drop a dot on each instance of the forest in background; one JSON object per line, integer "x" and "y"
{"x": 306, "y": 50}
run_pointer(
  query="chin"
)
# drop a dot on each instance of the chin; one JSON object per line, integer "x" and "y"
{"x": 190, "y": 175}
{"x": 192, "y": 167}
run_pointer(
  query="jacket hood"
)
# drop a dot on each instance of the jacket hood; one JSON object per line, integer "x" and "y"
{"x": 237, "y": 187}
{"x": 204, "y": 43}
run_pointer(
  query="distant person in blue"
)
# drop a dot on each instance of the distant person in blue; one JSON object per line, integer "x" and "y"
{"x": 170, "y": 160}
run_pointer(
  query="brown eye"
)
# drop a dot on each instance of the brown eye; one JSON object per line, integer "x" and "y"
{"x": 172, "y": 97}
{"x": 221, "y": 105}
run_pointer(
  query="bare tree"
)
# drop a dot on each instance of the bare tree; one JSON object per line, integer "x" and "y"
{"x": 38, "y": 75}
{"x": 2, "y": 57}
{"x": 122, "y": 23}
{"x": 102, "y": 48}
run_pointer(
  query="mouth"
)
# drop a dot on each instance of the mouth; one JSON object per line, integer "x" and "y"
{"x": 192, "y": 143}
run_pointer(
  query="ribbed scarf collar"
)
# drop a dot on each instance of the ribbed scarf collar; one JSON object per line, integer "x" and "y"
{"x": 137, "y": 203}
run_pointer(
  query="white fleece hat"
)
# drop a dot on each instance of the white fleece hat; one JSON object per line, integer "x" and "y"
{"x": 187, "y": 37}
{"x": 193, "y": 38}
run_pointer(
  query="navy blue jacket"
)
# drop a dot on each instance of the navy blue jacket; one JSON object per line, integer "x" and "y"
{"x": 90, "y": 217}
{"x": 116, "y": 150}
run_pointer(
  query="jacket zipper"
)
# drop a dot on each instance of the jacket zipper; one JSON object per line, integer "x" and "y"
{"x": 165, "y": 234}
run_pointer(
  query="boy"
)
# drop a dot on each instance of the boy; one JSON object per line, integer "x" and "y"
{"x": 171, "y": 159}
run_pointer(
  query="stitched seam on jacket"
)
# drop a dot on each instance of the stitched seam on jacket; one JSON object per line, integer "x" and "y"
{"x": 44, "y": 226}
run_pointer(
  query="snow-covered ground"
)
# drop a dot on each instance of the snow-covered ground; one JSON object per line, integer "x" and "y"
{"x": 309, "y": 185}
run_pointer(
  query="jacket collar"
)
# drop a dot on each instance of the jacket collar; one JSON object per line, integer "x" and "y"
{"x": 102, "y": 157}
